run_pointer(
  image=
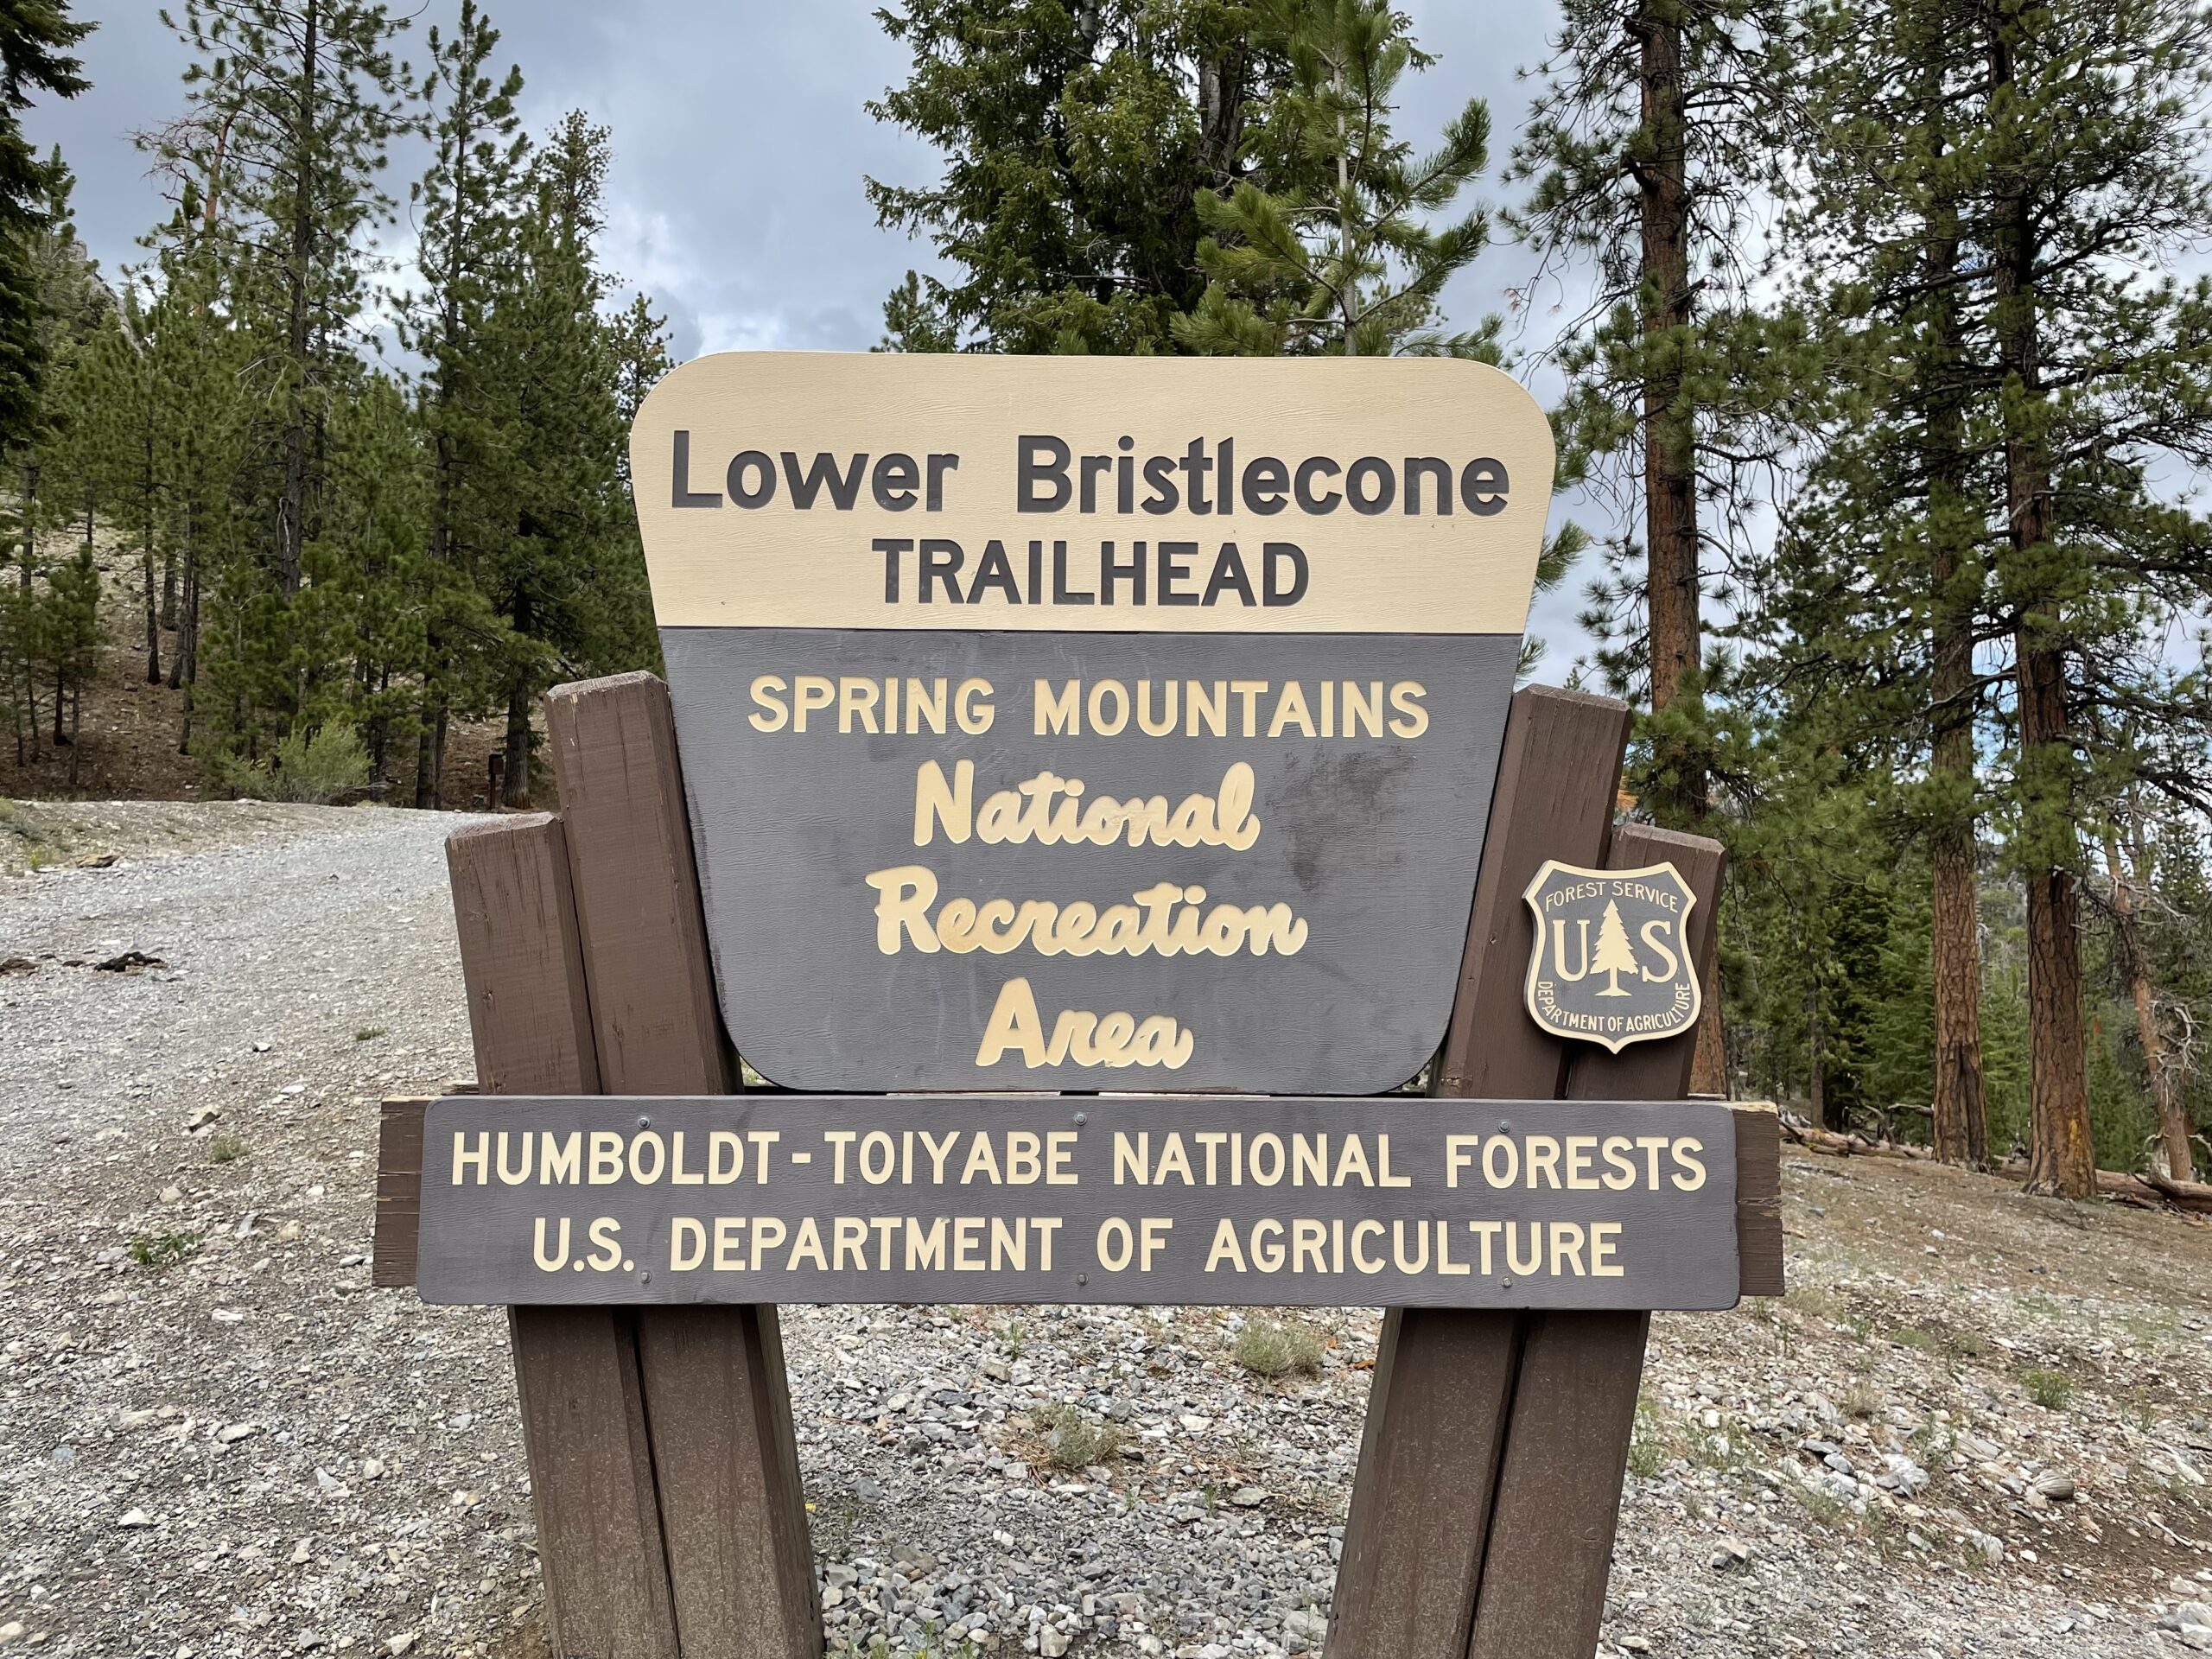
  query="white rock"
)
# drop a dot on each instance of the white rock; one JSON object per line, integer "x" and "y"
{"x": 231, "y": 1434}
{"x": 1050, "y": 1643}
{"x": 395, "y": 1645}
{"x": 136, "y": 1518}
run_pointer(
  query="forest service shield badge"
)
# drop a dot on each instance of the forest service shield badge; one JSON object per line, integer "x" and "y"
{"x": 1611, "y": 961}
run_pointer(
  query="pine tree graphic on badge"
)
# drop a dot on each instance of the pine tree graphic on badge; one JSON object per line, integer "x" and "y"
{"x": 1614, "y": 957}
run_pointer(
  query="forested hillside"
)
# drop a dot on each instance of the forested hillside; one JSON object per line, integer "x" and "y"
{"x": 1884, "y": 401}
{"x": 366, "y": 502}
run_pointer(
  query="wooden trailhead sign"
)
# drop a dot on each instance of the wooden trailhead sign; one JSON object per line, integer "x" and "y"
{"x": 1088, "y": 790}
{"x": 1089, "y": 723}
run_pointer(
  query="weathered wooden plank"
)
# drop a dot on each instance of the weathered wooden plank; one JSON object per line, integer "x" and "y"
{"x": 1437, "y": 1411}
{"x": 598, "y": 1532}
{"x": 733, "y": 1511}
{"x": 1543, "y": 1594}
{"x": 399, "y": 1191}
{"x": 613, "y": 744}
{"x": 1758, "y": 1200}
{"x": 522, "y": 957}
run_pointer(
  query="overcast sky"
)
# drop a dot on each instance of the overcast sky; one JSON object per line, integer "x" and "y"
{"x": 740, "y": 144}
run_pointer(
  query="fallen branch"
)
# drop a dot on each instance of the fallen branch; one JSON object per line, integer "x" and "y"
{"x": 2150, "y": 1189}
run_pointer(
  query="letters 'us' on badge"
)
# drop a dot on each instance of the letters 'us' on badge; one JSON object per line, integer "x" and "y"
{"x": 1611, "y": 963}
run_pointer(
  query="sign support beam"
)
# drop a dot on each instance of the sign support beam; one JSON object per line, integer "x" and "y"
{"x": 725, "y": 1458}
{"x": 1436, "y": 1419}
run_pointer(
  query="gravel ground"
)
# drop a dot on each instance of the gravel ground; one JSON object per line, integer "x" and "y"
{"x": 1978, "y": 1426}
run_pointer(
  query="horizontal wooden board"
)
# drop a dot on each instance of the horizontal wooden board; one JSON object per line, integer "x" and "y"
{"x": 982, "y": 1199}
{"x": 774, "y": 489}
{"x": 1338, "y": 787}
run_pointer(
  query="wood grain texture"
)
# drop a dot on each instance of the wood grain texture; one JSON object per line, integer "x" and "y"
{"x": 733, "y": 1511}
{"x": 1758, "y": 1200}
{"x": 1550, "y": 1548}
{"x": 522, "y": 957}
{"x": 1437, "y": 1414}
{"x": 644, "y": 936}
{"x": 591, "y": 1471}
{"x": 576, "y": 1372}
{"x": 399, "y": 1191}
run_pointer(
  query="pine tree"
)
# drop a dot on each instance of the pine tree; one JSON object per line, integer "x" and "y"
{"x": 292, "y": 103}
{"x": 469, "y": 204}
{"x": 564, "y": 576}
{"x": 1076, "y": 135}
{"x": 1646, "y": 149}
{"x": 305, "y": 92}
{"x": 1336, "y": 253}
{"x": 1880, "y": 589}
{"x": 36, "y": 37}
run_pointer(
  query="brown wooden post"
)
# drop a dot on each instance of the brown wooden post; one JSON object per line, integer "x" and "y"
{"x": 576, "y": 1372}
{"x": 740, "y": 1561}
{"x": 1550, "y": 1549}
{"x": 1436, "y": 1416}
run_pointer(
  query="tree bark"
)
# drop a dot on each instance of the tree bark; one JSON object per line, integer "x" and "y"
{"x": 430, "y": 753}
{"x": 291, "y": 529}
{"x": 2165, "y": 1083}
{"x": 1675, "y": 635}
{"x": 1671, "y": 597}
{"x": 24, "y": 580}
{"x": 1960, "y": 1125}
{"x": 2062, "y": 1156}
{"x": 515, "y": 788}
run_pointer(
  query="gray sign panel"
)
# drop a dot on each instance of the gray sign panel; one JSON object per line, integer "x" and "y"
{"x": 942, "y": 861}
{"x": 1115, "y": 1199}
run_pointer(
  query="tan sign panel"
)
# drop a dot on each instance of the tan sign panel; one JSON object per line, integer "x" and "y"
{"x": 800, "y": 489}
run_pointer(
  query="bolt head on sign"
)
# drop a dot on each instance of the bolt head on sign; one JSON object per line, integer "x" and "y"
{"x": 1089, "y": 723}
{"x": 1611, "y": 961}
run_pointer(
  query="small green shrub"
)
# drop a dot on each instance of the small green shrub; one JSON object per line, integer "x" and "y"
{"x": 368, "y": 1033}
{"x": 1076, "y": 1441}
{"x": 313, "y": 767}
{"x": 1276, "y": 1347}
{"x": 1647, "y": 1445}
{"x": 2049, "y": 1390}
{"x": 225, "y": 1149}
{"x": 164, "y": 1249}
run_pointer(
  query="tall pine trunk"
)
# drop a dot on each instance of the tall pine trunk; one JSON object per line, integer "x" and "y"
{"x": 1960, "y": 1127}
{"x": 2062, "y": 1155}
{"x": 186, "y": 662}
{"x": 29, "y": 713}
{"x": 146, "y": 560}
{"x": 514, "y": 789}
{"x": 291, "y": 530}
{"x": 2165, "y": 1082}
{"x": 1669, "y": 456}
{"x": 1674, "y": 638}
